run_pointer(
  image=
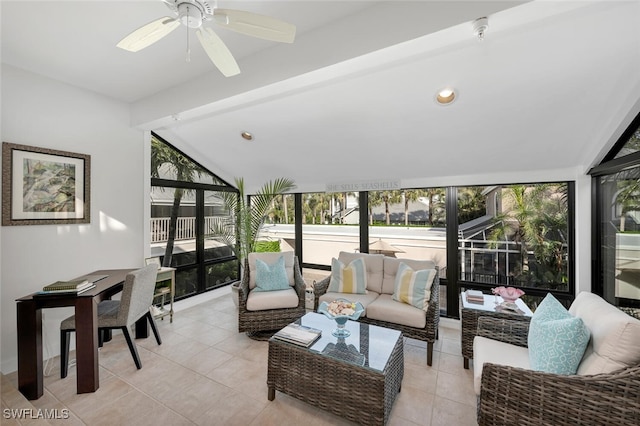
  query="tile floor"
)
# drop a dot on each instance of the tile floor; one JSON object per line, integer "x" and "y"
{"x": 206, "y": 373}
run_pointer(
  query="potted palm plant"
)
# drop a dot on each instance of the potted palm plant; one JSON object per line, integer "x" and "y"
{"x": 247, "y": 217}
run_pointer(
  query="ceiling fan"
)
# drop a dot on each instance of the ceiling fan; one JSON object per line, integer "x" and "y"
{"x": 193, "y": 14}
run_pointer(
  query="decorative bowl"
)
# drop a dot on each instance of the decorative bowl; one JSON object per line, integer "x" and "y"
{"x": 509, "y": 294}
{"x": 333, "y": 310}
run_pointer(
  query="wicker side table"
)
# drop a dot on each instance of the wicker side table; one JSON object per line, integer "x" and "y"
{"x": 469, "y": 314}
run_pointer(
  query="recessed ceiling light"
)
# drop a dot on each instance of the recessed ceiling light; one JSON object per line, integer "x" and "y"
{"x": 446, "y": 96}
{"x": 246, "y": 135}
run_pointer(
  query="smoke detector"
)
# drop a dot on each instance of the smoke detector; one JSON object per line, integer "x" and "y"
{"x": 480, "y": 25}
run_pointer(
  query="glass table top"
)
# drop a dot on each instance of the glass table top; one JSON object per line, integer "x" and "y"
{"x": 368, "y": 346}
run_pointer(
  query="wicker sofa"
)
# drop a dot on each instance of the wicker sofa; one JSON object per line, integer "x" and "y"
{"x": 605, "y": 390}
{"x": 380, "y": 308}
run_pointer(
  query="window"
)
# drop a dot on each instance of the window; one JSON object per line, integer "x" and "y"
{"x": 185, "y": 204}
{"x": 516, "y": 235}
{"x": 616, "y": 232}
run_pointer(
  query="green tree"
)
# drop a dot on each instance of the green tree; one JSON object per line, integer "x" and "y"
{"x": 248, "y": 214}
{"x": 435, "y": 198}
{"x": 628, "y": 198}
{"x": 185, "y": 170}
{"x": 341, "y": 198}
{"x": 318, "y": 204}
{"x": 375, "y": 199}
{"x": 389, "y": 198}
{"x": 471, "y": 203}
{"x": 410, "y": 196}
{"x": 535, "y": 218}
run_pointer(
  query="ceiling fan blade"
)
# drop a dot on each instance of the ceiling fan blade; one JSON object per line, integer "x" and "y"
{"x": 218, "y": 52}
{"x": 255, "y": 25}
{"x": 148, "y": 34}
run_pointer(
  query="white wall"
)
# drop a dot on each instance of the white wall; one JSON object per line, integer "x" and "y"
{"x": 42, "y": 112}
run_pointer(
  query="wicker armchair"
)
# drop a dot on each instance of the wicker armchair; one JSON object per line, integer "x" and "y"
{"x": 271, "y": 319}
{"x": 515, "y": 396}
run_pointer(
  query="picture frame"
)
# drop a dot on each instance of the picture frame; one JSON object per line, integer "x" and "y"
{"x": 42, "y": 186}
{"x": 153, "y": 261}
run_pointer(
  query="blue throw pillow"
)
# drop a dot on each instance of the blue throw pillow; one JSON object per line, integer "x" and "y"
{"x": 556, "y": 339}
{"x": 271, "y": 277}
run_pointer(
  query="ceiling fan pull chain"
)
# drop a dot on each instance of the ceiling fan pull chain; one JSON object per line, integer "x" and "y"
{"x": 188, "y": 44}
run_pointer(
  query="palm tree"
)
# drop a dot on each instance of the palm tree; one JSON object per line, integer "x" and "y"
{"x": 185, "y": 170}
{"x": 471, "y": 203}
{"x": 536, "y": 221}
{"x": 628, "y": 197}
{"x": 317, "y": 204}
{"x": 388, "y": 198}
{"x": 241, "y": 232}
{"x": 409, "y": 196}
{"x": 341, "y": 198}
{"x": 375, "y": 199}
{"x": 435, "y": 197}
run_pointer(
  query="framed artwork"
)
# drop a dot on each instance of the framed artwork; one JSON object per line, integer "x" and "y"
{"x": 43, "y": 186}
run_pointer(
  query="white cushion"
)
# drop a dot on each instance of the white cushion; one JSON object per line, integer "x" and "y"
{"x": 270, "y": 258}
{"x": 374, "y": 263}
{"x": 615, "y": 336}
{"x": 276, "y": 299}
{"x": 391, "y": 265}
{"x": 495, "y": 352}
{"x": 384, "y": 308}
{"x": 365, "y": 299}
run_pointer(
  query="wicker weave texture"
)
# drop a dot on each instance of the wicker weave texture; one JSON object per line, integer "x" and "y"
{"x": 272, "y": 319}
{"x": 427, "y": 334}
{"x": 469, "y": 325}
{"x": 359, "y": 394}
{"x": 514, "y": 396}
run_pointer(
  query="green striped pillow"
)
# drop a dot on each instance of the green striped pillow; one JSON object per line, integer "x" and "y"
{"x": 413, "y": 287}
{"x": 348, "y": 279}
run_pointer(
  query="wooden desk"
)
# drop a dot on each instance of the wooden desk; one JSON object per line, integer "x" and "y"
{"x": 29, "y": 312}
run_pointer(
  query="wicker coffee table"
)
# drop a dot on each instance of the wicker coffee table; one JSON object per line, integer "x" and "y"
{"x": 357, "y": 378}
{"x": 470, "y": 312}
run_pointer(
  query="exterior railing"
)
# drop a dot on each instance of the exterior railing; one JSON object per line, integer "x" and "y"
{"x": 185, "y": 228}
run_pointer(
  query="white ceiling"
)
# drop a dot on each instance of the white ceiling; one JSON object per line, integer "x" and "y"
{"x": 550, "y": 87}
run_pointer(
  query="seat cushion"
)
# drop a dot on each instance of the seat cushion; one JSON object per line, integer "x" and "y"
{"x": 495, "y": 352}
{"x": 391, "y": 265}
{"x": 277, "y": 299}
{"x": 384, "y": 308}
{"x": 270, "y": 277}
{"x": 374, "y": 264}
{"x": 557, "y": 339}
{"x": 107, "y": 311}
{"x": 615, "y": 336}
{"x": 270, "y": 258}
{"x": 351, "y": 278}
{"x": 413, "y": 286}
{"x": 365, "y": 299}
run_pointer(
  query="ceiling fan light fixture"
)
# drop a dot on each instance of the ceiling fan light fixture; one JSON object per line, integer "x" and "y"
{"x": 247, "y": 135}
{"x": 190, "y": 15}
{"x": 446, "y": 96}
{"x": 194, "y": 14}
